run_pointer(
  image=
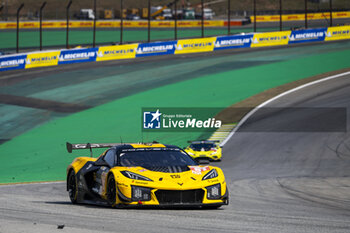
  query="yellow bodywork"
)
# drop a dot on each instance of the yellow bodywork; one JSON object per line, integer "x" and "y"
{"x": 187, "y": 180}
{"x": 78, "y": 163}
{"x": 214, "y": 155}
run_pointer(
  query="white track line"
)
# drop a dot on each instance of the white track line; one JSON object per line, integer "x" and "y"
{"x": 245, "y": 118}
{"x": 30, "y": 183}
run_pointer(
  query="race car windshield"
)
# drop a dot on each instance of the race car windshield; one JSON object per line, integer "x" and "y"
{"x": 200, "y": 146}
{"x": 154, "y": 158}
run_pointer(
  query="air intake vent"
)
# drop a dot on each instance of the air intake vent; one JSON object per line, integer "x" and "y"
{"x": 169, "y": 169}
{"x": 180, "y": 197}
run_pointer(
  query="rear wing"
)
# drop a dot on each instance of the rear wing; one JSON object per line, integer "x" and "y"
{"x": 71, "y": 147}
{"x": 204, "y": 141}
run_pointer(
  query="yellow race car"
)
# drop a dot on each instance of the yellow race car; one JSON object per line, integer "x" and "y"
{"x": 204, "y": 150}
{"x": 144, "y": 175}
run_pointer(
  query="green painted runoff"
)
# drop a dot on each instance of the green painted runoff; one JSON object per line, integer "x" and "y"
{"x": 40, "y": 154}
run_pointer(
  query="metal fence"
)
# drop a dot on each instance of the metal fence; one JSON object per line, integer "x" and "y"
{"x": 226, "y": 10}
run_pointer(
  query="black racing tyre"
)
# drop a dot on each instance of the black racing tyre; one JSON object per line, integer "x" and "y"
{"x": 72, "y": 187}
{"x": 212, "y": 207}
{"x": 111, "y": 191}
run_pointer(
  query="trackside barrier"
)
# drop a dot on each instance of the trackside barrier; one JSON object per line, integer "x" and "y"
{"x": 296, "y": 17}
{"x": 115, "y": 24}
{"x": 170, "y": 23}
{"x": 129, "y": 51}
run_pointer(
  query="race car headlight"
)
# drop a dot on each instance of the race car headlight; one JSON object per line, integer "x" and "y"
{"x": 214, "y": 191}
{"x": 210, "y": 175}
{"x": 134, "y": 176}
{"x": 140, "y": 193}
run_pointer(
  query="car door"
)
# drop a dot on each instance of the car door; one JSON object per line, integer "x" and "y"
{"x": 104, "y": 164}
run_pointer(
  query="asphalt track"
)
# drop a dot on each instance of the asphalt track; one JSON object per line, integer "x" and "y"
{"x": 279, "y": 182}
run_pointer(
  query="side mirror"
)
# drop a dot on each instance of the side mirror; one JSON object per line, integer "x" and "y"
{"x": 101, "y": 162}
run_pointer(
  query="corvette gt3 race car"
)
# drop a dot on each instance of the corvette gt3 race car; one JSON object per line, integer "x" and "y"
{"x": 144, "y": 175}
{"x": 204, "y": 149}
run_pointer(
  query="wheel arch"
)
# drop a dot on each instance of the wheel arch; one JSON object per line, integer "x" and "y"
{"x": 69, "y": 170}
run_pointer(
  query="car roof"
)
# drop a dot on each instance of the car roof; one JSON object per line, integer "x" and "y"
{"x": 203, "y": 141}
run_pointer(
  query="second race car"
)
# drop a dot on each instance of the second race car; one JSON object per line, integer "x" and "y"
{"x": 205, "y": 149}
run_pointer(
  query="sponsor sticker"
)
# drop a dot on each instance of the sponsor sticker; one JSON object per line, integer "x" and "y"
{"x": 270, "y": 39}
{"x": 195, "y": 45}
{"x": 42, "y": 59}
{"x": 198, "y": 170}
{"x": 116, "y": 52}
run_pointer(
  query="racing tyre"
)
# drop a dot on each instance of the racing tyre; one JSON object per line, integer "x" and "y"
{"x": 213, "y": 207}
{"x": 111, "y": 191}
{"x": 72, "y": 187}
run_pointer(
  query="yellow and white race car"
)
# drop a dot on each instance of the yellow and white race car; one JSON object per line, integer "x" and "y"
{"x": 152, "y": 174}
{"x": 205, "y": 149}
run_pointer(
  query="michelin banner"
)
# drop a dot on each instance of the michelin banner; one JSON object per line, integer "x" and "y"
{"x": 42, "y": 59}
{"x": 130, "y": 51}
{"x": 156, "y": 48}
{"x": 195, "y": 45}
{"x": 270, "y": 39}
{"x": 77, "y": 55}
{"x": 12, "y": 62}
{"x": 338, "y": 33}
{"x": 116, "y": 52}
{"x": 233, "y": 42}
{"x": 308, "y": 35}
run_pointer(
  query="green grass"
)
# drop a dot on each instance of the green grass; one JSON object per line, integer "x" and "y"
{"x": 40, "y": 154}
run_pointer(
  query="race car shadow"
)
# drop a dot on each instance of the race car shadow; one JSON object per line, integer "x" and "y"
{"x": 136, "y": 207}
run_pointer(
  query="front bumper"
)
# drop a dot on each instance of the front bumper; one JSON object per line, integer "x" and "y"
{"x": 175, "y": 198}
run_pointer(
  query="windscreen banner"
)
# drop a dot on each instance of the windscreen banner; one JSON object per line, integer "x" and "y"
{"x": 308, "y": 35}
{"x": 70, "y": 56}
{"x": 195, "y": 45}
{"x": 233, "y": 42}
{"x": 156, "y": 48}
{"x": 13, "y": 62}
